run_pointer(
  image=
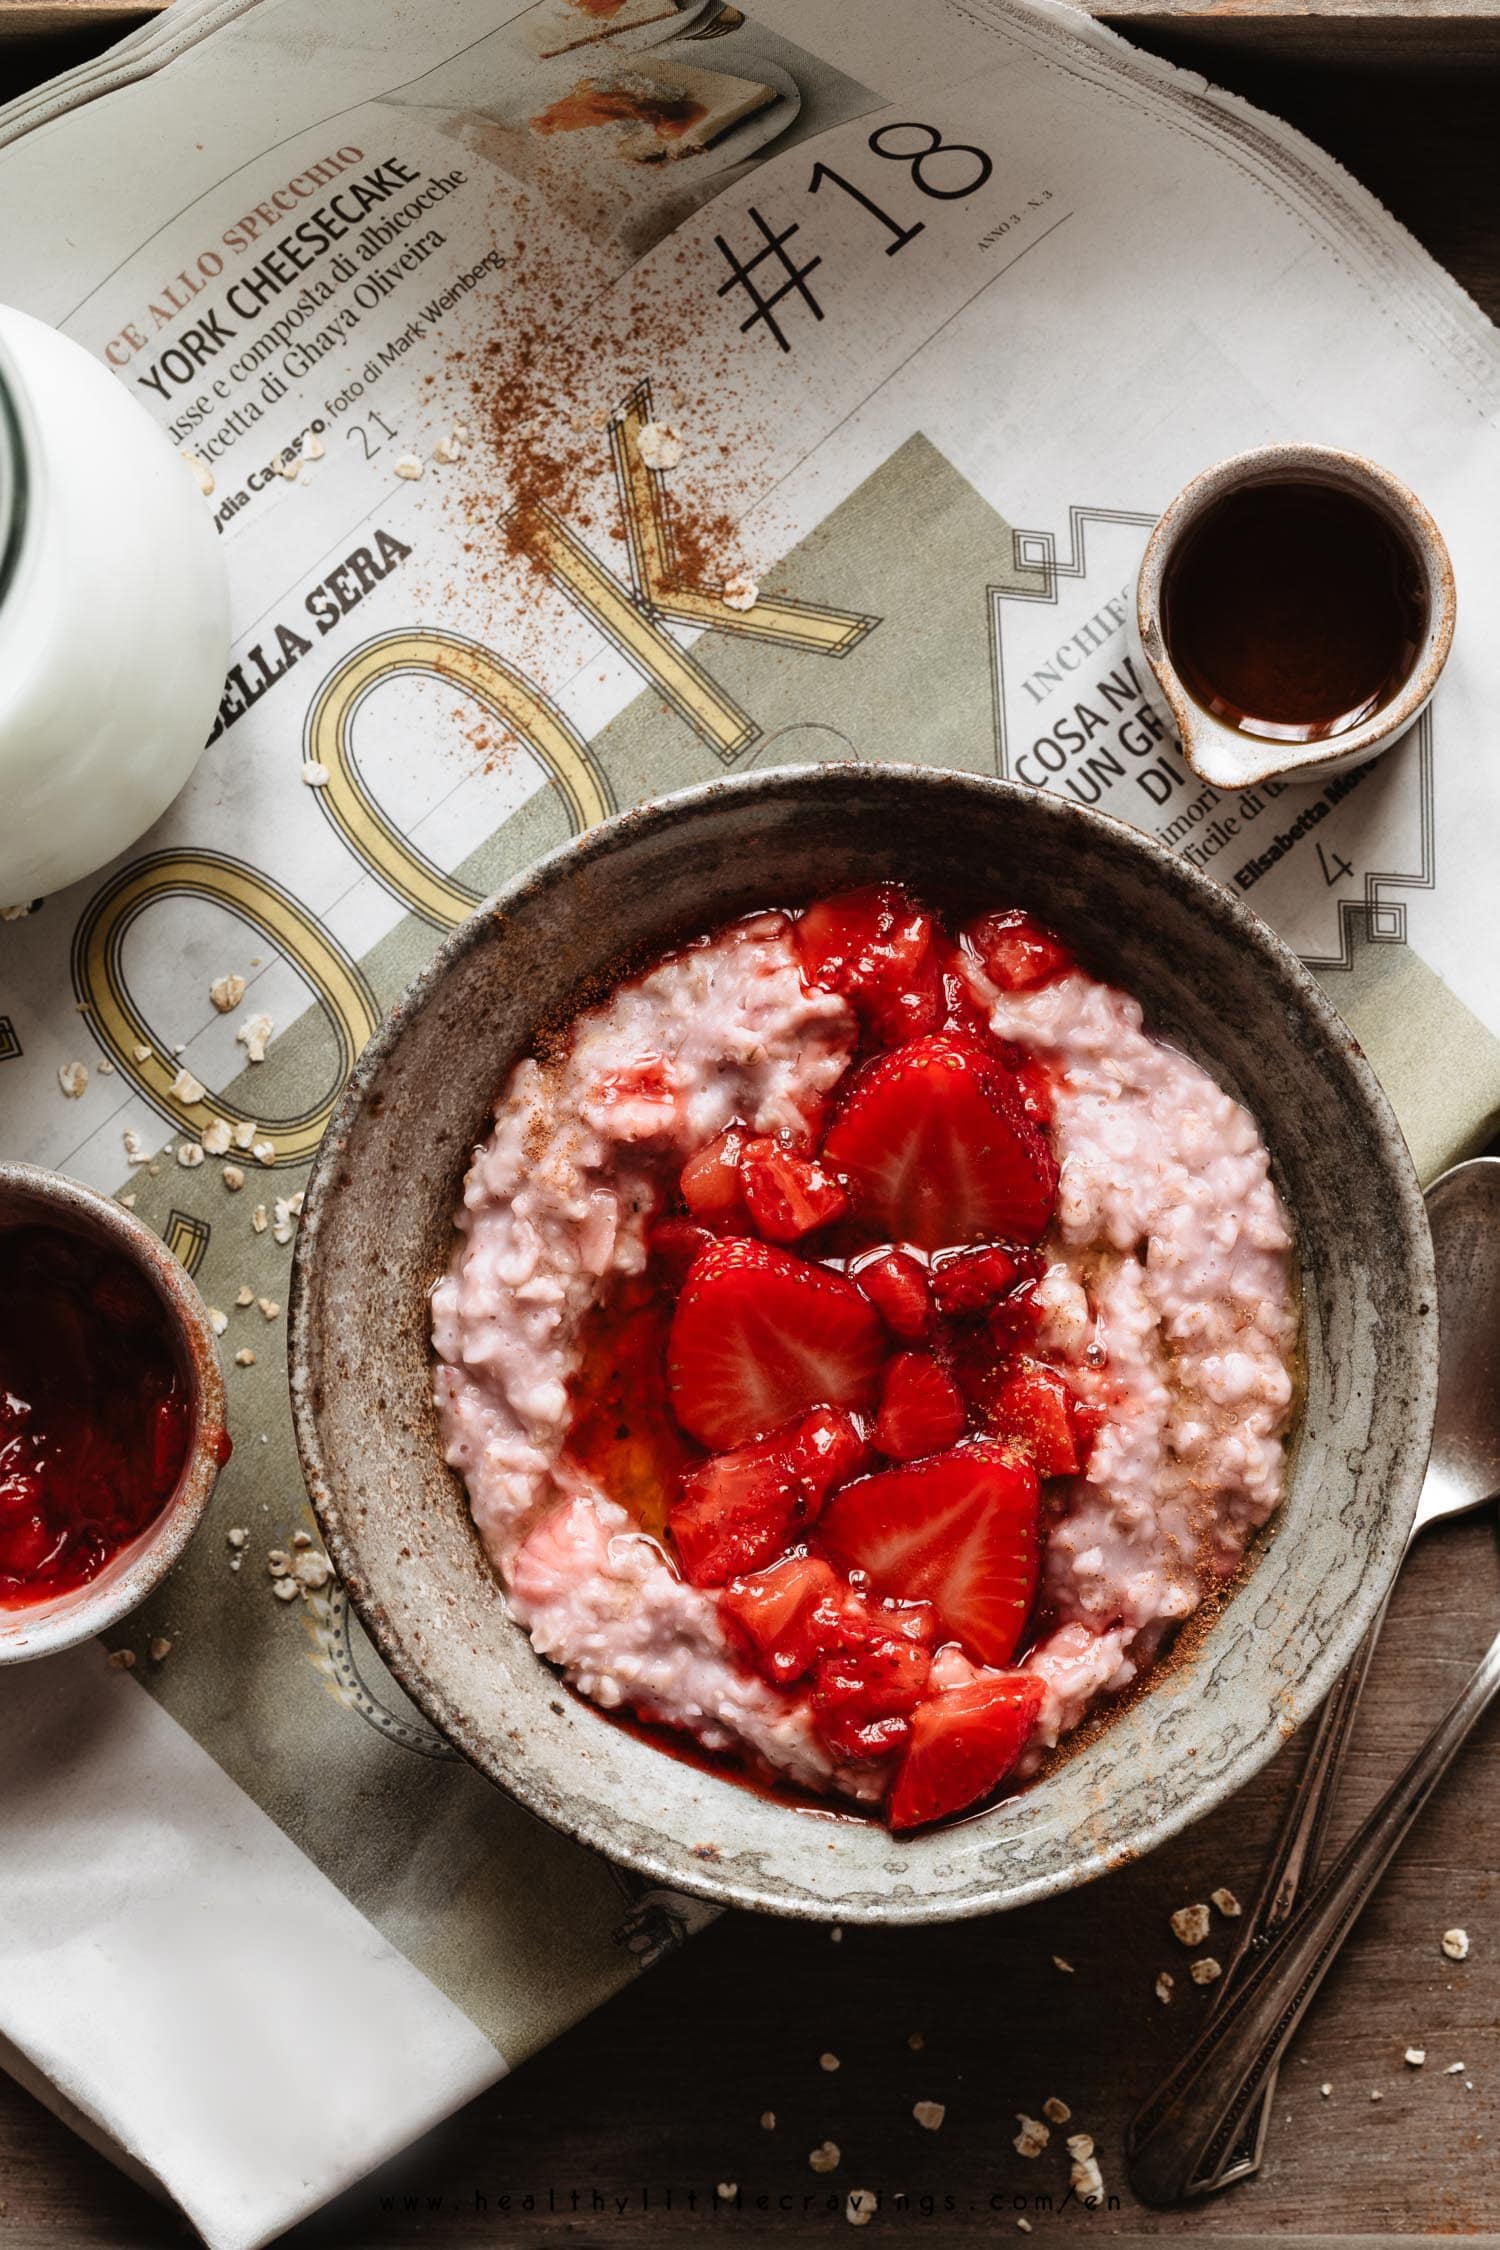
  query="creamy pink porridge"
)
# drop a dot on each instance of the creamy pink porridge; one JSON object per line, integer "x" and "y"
{"x": 864, "y": 1346}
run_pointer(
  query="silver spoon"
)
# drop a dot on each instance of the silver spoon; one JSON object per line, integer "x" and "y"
{"x": 1191, "y": 2136}
{"x": 1460, "y": 1476}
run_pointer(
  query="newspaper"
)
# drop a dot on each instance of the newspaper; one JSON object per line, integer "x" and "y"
{"x": 596, "y": 406}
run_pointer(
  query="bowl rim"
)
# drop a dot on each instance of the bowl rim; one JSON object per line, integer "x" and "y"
{"x": 581, "y": 1822}
{"x": 99, "y": 1603}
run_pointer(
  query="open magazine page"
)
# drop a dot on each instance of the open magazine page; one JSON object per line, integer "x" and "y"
{"x": 585, "y": 416}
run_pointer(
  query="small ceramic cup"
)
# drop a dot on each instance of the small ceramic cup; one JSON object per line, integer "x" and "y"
{"x": 31, "y": 1197}
{"x": 1234, "y": 757}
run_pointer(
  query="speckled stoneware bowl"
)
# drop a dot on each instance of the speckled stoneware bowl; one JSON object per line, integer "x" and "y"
{"x": 376, "y": 1233}
{"x": 32, "y": 1197}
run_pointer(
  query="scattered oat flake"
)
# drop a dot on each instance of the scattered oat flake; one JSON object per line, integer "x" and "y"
{"x": 1455, "y": 2070}
{"x": 288, "y": 1211}
{"x": 186, "y": 1088}
{"x": 253, "y": 1034}
{"x": 201, "y": 471}
{"x": 1066, "y": 1967}
{"x": 929, "y": 2115}
{"x": 408, "y": 466}
{"x": 825, "y": 2157}
{"x": 860, "y": 2206}
{"x": 142, "y": 1054}
{"x": 14, "y": 913}
{"x": 127, "y": 1200}
{"x": 450, "y": 448}
{"x": 123, "y": 1659}
{"x": 726, "y": 2191}
{"x": 106, "y": 1068}
{"x": 214, "y": 1138}
{"x": 217, "y": 1321}
{"x": 1456, "y": 1944}
{"x": 244, "y": 1132}
{"x": 768, "y": 2120}
{"x": 314, "y": 774}
{"x": 1376, "y": 2095}
{"x": 312, "y": 447}
{"x": 244, "y": 1357}
{"x": 836, "y": 1935}
{"x": 135, "y": 1147}
{"x": 286, "y": 1589}
{"x": 189, "y": 1155}
{"x": 1023, "y": 2226}
{"x": 73, "y": 1077}
{"x": 739, "y": 592}
{"x": 1228, "y": 1905}
{"x": 301, "y": 1538}
{"x": 1190, "y": 1924}
{"x": 259, "y": 1219}
{"x": 268, "y": 1307}
{"x": 659, "y": 445}
{"x": 237, "y": 1536}
{"x": 1087, "y": 2180}
{"x": 1033, "y": 2136}
{"x": 915, "y": 2041}
{"x": 1057, "y": 2111}
{"x": 312, "y": 1572}
{"x": 1206, "y": 1971}
{"x": 828, "y": 2062}
{"x": 264, "y": 1152}
{"x": 160, "y": 1650}
{"x": 1326, "y": 2088}
{"x": 1416, "y": 2056}
{"x": 233, "y": 1178}
{"x": 244, "y": 1295}
{"x": 1164, "y": 1987}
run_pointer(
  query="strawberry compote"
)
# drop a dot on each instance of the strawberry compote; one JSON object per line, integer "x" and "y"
{"x": 95, "y": 1413}
{"x": 864, "y": 1345}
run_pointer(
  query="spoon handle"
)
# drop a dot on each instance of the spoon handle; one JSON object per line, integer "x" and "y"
{"x": 1181, "y": 2136}
{"x": 1293, "y": 1857}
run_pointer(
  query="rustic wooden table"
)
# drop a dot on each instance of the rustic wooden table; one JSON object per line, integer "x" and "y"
{"x": 624, "y": 2130}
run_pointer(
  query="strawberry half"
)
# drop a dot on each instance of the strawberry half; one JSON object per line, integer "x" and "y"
{"x": 786, "y": 1195}
{"x": 936, "y": 1149}
{"x": 741, "y": 1510}
{"x": 961, "y": 1531}
{"x": 1017, "y": 952}
{"x": 963, "y": 1742}
{"x": 759, "y": 1336}
{"x": 875, "y": 946}
{"x": 921, "y": 1409}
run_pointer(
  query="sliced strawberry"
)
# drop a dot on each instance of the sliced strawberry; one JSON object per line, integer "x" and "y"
{"x": 674, "y": 1244}
{"x": 876, "y": 947}
{"x": 1016, "y": 1320}
{"x": 1017, "y": 952}
{"x": 896, "y": 1284}
{"x": 1035, "y": 1410}
{"x": 786, "y": 1195}
{"x": 960, "y": 1531}
{"x": 936, "y": 1149}
{"x": 963, "y": 1743}
{"x": 759, "y": 1336}
{"x": 786, "y": 1616}
{"x": 710, "y": 1182}
{"x": 921, "y": 1409}
{"x": 969, "y": 1281}
{"x": 857, "y": 1692}
{"x": 741, "y": 1510}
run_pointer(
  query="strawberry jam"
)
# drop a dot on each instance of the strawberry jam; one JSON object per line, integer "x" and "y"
{"x": 95, "y": 1411}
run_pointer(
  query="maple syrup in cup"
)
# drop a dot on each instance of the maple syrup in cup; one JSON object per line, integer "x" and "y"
{"x": 1296, "y": 607}
{"x": 114, "y": 614}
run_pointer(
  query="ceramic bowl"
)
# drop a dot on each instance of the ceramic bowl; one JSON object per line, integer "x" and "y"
{"x": 31, "y": 1197}
{"x": 376, "y": 1233}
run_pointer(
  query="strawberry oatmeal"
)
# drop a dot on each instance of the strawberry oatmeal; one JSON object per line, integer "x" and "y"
{"x": 864, "y": 1345}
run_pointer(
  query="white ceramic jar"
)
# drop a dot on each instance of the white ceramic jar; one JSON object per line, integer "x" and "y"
{"x": 114, "y": 614}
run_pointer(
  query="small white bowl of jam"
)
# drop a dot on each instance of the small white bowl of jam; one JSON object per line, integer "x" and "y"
{"x": 111, "y": 1412}
{"x": 1296, "y": 606}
